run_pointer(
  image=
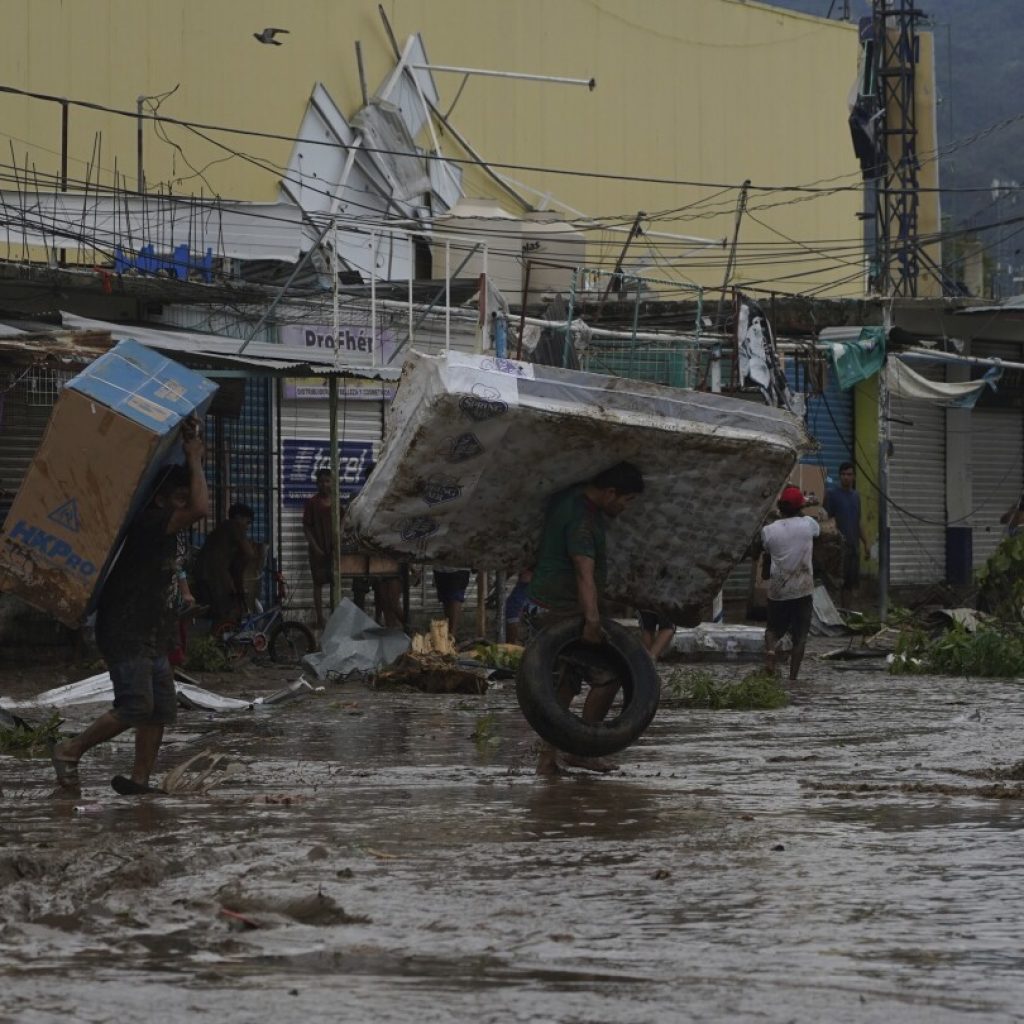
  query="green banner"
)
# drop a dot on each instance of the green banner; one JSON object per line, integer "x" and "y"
{"x": 858, "y": 360}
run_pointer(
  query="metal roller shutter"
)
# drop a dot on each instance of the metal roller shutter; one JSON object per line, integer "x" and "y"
{"x": 997, "y": 457}
{"x": 26, "y": 400}
{"x": 917, "y": 484}
{"x": 303, "y": 447}
{"x": 997, "y": 454}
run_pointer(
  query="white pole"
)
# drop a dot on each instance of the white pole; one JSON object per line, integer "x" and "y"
{"x": 412, "y": 274}
{"x": 590, "y": 83}
{"x": 334, "y": 272}
{"x": 718, "y": 604}
{"x": 373, "y": 291}
{"x": 447, "y": 296}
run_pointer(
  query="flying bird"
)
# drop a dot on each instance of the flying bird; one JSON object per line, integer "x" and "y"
{"x": 267, "y": 35}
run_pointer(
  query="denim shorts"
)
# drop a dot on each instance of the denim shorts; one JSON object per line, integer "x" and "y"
{"x": 144, "y": 691}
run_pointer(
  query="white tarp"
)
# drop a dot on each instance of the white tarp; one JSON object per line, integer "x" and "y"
{"x": 476, "y": 446}
{"x": 903, "y": 382}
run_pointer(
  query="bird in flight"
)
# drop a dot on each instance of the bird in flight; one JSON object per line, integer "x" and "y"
{"x": 267, "y": 35}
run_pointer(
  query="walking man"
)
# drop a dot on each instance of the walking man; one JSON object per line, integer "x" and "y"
{"x": 843, "y": 504}
{"x": 136, "y": 624}
{"x": 568, "y": 579}
{"x": 789, "y": 542}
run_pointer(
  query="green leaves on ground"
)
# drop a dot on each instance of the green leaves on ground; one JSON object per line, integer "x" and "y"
{"x": 34, "y": 741}
{"x": 990, "y": 651}
{"x": 206, "y": 655}
{"x": 755, "y": 691}
{"x": 1001, "y": 581}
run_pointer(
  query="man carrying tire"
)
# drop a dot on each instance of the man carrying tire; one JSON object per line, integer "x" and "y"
{"x": 568, "y": 579}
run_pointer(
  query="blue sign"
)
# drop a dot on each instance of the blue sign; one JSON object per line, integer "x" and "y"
{"x": 301, "y": 460}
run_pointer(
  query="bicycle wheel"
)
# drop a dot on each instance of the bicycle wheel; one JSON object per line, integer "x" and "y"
{"x": 290, "y": 642}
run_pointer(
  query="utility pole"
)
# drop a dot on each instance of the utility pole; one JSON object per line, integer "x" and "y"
{"x": 615, "y": 281}
{"x": 741, "y": 205}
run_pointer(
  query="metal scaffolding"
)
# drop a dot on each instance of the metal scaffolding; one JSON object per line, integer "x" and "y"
{"x": 896, "y": 53}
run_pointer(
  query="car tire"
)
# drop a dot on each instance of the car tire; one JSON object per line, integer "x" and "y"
{"x": 537, "y": 682}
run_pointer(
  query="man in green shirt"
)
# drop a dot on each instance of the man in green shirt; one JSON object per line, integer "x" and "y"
{"x": 570, "y": 575}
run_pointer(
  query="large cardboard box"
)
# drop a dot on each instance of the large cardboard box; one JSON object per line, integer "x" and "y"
{"x": 112, "y": 430}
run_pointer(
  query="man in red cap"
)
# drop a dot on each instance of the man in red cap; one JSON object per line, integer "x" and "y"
{"x": 789, "y": 541}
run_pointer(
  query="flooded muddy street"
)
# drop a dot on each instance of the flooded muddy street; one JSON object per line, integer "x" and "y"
{"x": 392, "y": 856}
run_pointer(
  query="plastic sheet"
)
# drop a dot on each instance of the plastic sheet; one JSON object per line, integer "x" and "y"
{"x": 476, "y": 446}
{"x": 353, "y": 642}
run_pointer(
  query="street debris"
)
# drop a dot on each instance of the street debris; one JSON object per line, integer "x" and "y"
{"x": 99, "y": 689}
{"x": 352, "y": 642}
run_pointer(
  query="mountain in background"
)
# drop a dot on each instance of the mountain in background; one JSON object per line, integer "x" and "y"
{"x": 979, "y": 69}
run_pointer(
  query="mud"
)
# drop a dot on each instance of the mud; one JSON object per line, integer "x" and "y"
{"x": 853, "y": 856}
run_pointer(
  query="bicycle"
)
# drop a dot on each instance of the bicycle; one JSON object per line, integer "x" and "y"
{"x": 267, "y": 631}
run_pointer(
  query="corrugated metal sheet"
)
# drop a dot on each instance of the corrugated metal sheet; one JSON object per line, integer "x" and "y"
{"x": 239, "y": 230}
{"x": 26, "y": 399}
{"x": 997, "y": 475}
{"x": 304, "y": 420}
{"x": 829, "y": 421}
{"x": 917, "y": 487}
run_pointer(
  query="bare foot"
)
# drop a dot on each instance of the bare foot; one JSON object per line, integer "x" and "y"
{"x": 547, "y": 762}
{"x": 590, "y": 764}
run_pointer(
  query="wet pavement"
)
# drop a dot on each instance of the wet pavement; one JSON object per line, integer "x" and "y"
{"x": 853, "y": 856}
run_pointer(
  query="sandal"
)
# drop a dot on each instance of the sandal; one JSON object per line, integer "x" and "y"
{"x": 124, "y": 786}
{"x": 65, "y": 768}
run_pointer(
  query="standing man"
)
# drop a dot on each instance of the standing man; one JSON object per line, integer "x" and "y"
{"x": 316, "y": 525}
{"x": 568, "y": 579}
{"x": 843, "y": 504}
{"x": 789, "y": 541}
{"x": 136, "y": 622}
{"x": 221, "y": 565}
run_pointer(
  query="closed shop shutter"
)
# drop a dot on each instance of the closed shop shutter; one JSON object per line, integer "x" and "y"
{"x": 997, "y": 451}
{"x": 303, "y": 447}
{"x": 305, "y": 436}
{"x": 997, "y": 457}
{"x": 26, "y": 401}
{"x": 917, "y": 488}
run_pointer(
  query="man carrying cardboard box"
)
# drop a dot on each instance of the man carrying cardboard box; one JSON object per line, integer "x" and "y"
{"x": 135, "y": 625}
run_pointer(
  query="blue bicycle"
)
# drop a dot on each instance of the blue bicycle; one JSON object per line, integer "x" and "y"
{"x": 267, "y": 631}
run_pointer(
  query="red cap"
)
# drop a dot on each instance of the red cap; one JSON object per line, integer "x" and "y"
{"x": 792, "y": 498}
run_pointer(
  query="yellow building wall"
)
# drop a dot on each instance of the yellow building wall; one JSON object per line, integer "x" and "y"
{"x": 712, "y": 91}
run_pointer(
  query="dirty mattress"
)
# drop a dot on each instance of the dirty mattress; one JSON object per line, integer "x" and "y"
{"x": 476, "y": 446}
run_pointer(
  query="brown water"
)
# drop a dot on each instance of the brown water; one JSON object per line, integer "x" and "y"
{"x": 845, "y": 858}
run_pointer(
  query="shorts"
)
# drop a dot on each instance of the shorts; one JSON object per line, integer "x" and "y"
{"x": 792, "y": 617}
{"x": 516, "y": 602}
{"x": 652, "y": 622}
{"x": 851, "y": 566}
{"x": 321, "y": 568}
{"x": 451, "y": 586}
{"x": 144, "y": 691}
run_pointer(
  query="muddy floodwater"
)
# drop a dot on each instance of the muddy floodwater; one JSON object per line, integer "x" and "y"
{"x": 855, "y": 856}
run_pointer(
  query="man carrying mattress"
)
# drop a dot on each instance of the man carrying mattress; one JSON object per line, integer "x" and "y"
{"x": 568, "y": 579}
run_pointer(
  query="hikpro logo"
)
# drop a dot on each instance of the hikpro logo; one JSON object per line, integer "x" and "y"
{"x": 51, "y": 547}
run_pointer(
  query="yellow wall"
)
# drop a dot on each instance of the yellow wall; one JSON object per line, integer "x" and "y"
{"x": 701, "y": 90}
